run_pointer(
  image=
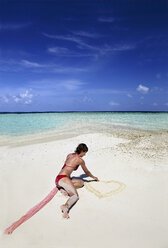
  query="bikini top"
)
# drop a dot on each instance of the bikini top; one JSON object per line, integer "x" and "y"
{"x": 75, "y": 168}
{"x": 70, "y": 166}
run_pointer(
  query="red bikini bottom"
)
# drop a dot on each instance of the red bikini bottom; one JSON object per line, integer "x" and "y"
{"x": 58, "y": 178}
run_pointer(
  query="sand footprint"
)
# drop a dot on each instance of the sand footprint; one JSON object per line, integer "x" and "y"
{"x": 102, "y": 191}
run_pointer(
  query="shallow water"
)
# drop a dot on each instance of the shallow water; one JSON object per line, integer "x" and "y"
{"x": 17, "y": 124}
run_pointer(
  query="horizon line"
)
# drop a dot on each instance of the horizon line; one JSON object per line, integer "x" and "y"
{"x": 122, "y": 111}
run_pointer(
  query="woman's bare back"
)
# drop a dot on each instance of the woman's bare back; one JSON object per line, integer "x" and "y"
{"x": 73, "y": 159}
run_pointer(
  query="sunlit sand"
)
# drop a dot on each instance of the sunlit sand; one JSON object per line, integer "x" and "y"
{"x": 127, "y": 208}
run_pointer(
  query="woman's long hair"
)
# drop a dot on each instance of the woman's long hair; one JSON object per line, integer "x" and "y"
{"x": 81, "y": 148}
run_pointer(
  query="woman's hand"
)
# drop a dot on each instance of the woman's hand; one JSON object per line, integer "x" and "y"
{"x": 95, "y": 178}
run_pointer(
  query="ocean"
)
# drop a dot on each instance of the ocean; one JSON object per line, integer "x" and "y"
{"x": 16, "y": 124}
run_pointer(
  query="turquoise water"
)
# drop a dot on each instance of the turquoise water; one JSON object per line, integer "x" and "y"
{"x": 28, "y": 123}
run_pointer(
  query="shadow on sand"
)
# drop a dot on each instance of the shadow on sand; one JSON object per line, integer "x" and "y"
{"x": 82, "y": 178}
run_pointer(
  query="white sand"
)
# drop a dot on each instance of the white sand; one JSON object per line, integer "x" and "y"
{"x": 136, "y": 216}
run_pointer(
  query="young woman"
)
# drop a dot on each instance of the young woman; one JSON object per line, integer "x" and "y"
{"x": 68, "y": 186}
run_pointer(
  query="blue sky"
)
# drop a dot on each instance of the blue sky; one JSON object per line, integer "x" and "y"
{"x": 83, "y": 55}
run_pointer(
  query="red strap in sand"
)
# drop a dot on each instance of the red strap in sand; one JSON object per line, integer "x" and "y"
{"x": 32, "y": 211}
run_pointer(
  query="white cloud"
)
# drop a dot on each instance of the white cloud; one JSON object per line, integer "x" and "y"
{"x": 25, "y": 97}
{"x": 71, "y": 84}
{"x": 85, "y": 99}
{"x": 105, "y": 91}
{"x": 5, "y": 99}
{"x": 69, "y": 69}
{"x": 123, "y": 47}
{"x": 158, "y": 75}
{"x": 166, "y": 103}
{"x": 155, "y": 104}
{"x": 28, "y": 101}
{"x": 113, "y": 103}
{"x": 129, "y": 95}
{"x": 21, "y": 65}
{"x": 142, "y": 89}
{"x": 106, "y": 19}
{"x": 65, "y": 52}
{"x": 13, "y": 26}
{"x": 52, "y": 68}
{"x": 58, "y": 50}
{"x": 86, "y": 34}
{"x": 54, "y": 86}
{"x": 26, "y": 94}
{"x": 31, "y": 64}
{"x": 64, "y": 37}
{"x": 16, "y": 99}
{"x": 156, "y": 89}
{"x": 107, "y": 49}
{"x": 96, "y": 50}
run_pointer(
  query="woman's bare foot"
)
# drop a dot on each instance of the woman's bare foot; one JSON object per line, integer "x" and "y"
{"x": 65, "y": 211}
{"x": 64, "y": 192}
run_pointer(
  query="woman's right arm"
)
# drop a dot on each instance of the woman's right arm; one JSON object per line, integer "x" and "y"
{"x": 87, "y": 172}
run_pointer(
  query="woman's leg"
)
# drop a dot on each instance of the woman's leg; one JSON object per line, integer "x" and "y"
{"x": 78, "y": 183}
{"x": 72, "y": 192}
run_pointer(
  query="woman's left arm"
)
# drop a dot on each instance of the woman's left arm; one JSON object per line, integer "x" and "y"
{"x": 88, "y": 173}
